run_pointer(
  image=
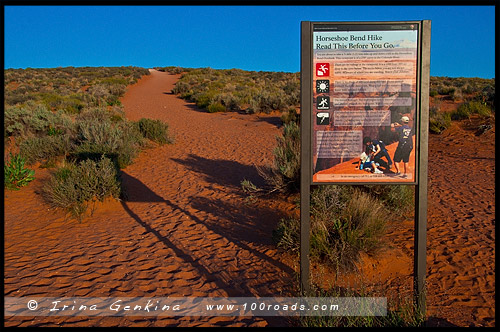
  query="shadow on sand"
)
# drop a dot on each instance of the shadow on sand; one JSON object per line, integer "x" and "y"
{"x": 244, "y": 227}
{"x": 227, "y": 173}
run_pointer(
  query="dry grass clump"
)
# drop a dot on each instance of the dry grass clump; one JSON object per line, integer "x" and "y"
{"x": 345, "y": 223}
{"x": 75, "y": 186}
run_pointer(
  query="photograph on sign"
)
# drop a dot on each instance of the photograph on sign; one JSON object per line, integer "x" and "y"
{"x": 364, "y": 126}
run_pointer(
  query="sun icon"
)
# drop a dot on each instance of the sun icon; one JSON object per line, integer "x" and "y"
{"x": 322, "y": 86}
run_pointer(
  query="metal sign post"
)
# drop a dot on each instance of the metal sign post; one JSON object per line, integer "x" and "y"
{"x": 305, "y": 154}
{"x": 361, "y": 80}
{"x": 420, "y": 237}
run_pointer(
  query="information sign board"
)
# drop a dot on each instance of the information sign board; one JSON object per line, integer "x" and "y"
{"x": 364, "y": 102}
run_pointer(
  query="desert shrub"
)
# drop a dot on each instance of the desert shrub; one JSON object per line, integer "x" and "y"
{"x": 216, "y": 107}
{"x": 176, "y": 70}
{"x": 457, "y": 94}
{"x": 346, "y": 221}
{"x": 34, "y": 119}
{"x": 283, "y": 174}
{"x": 290, "y": 115}
{"x": 398, "y": 199}
{"x": 433, "y": 93}
{"x": 204, "y": 99}
{"x": 154, "y": 130}
{"x": 480, "y": 108}
{"x": 238, "y": 89}
{"x": 16, "y": 97}
{"x": 117, "y": 142}
{"x": 357, "y": 229}
{"x": 71, "y": 104}
{"x": 462, "y": 112}
{"x": 113, "y": 100}
{"x": 15, "y": 173}
{"x": 35, "y": 149}
{"x": 98, "y": 94}
{"x": 103, "y": 133}
{"x": 266, "y": 101}
{"x": 172, "y": 69}
{"x": 446, "y": 90}
{"x": 438, "y": 121}
{"x": 287, "y": 156}
{"x": 115, "y": 81}
{"x": 465, "y": 110}
{"x": 74, "y": 186}
{"x": 286, "y": 235}
{"x": 181, "y": 87}
{"x": 98, "y": 134}
{"x": 230, "y": 101}
{"x": 487, "y": 95}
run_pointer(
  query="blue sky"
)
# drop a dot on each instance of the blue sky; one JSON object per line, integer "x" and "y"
{"x": 258, "y": 38}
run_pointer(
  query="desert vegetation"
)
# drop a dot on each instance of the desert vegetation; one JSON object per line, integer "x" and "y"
{"x": 254, "y": 92}
{"x": 71, "y": 119}
{"x": 475, "y": 98}
{"x": 239, "y": 90}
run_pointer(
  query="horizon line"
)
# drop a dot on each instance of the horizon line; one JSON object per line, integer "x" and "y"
{"x": 153, "y": 67}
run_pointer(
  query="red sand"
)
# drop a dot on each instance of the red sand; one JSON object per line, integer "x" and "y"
{"x": 186, "y": 229}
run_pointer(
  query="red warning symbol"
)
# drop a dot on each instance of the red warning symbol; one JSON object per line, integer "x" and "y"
{"x": 322, "y": 69}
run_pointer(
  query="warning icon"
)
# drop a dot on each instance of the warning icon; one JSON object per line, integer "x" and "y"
{"x": 323, "y": 103}
{"x": 322, "y": 86}
{"x": 322, "y": 69}
{"x": 323, "y": 118}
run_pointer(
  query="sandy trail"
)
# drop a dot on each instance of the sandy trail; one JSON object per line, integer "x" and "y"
{"x": 185, "y": 229}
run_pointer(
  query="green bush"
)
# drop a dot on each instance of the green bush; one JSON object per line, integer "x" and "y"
{"x": 346, "y": 221}
{"x": 34, "y": 119}
{"x": 204, "y": 99}
{"x": 216, "y": 107}
{"x": 398, "y": 199}
{"x": 461, "y": 113}
{"x": 181, "y": 87}
{"x": 70, "y": 104}
{"x": 238, "y": 89}
{"x": 446, "y": 90}
{"x": 74, "y": 186}
{"x": 480, "y": 108}
{"x": 154, "y": 130}
{"x": 119, "y": 143}
{"x": 438, "y": 121}
{"x": 290, "y": 116}
{"x": 287, "y": 156}
{"x": 35, "y": 149}
{"x": 15, "y": 174}
{"x": 286, "y": 235}
{"x": 283, "y": 174}
{"x": 465, "y": 110}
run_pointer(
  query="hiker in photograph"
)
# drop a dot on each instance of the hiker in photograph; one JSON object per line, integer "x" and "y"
{"x": 367, "y": 164}
{"x": 405, "y": 144}
{"x": 377, "y": 147}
